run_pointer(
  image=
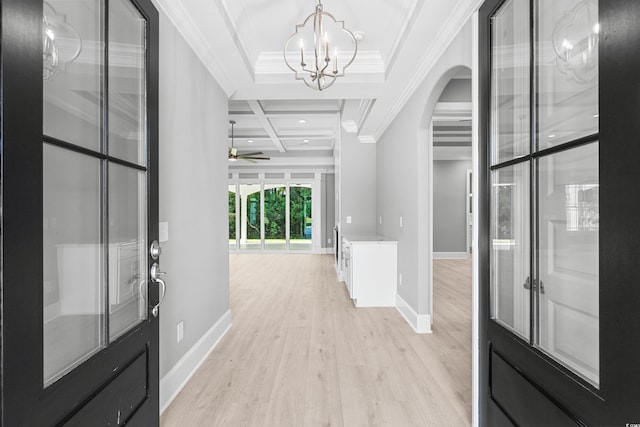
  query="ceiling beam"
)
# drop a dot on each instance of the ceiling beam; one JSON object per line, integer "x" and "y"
{"x": 266, "y": 124}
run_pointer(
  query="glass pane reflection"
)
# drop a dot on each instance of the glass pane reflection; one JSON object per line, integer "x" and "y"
{"x": 127, "y": 84}
{"x": 510, "y": 87}
{"x": 127, "y": 248}
{"x": 568, "y": 259}
{"x": 72, "y": 108}
{"x": 73, "y": 282}
{"x": 567, "y": 70}
{"x": 510, "y": 248}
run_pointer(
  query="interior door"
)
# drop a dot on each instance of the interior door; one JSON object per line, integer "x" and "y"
{"x": 559, "y": 128}
{"x": 80, "y": 276}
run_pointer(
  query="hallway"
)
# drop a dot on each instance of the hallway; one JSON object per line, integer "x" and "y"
{"x": 299, "y": 353}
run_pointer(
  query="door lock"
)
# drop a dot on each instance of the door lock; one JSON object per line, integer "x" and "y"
{"x": 155, "y": 250}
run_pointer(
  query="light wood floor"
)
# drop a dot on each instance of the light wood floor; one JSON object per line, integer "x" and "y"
{"x": 300, "y": 354}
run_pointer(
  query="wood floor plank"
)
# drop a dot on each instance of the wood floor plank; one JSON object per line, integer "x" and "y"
{"x": 300, "y": 354}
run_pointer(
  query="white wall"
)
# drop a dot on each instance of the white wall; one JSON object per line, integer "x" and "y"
{"x": 193, "y": 200}
{"x": 403, "y": 162}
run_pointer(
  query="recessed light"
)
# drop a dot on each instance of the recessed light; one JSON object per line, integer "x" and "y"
{"x": 595, "y": 116}
{"x": 302, "y": 121}
{"x": 553, "y": 135}
{"x": 305, "y": 140}
{"x": 250, "y": 141}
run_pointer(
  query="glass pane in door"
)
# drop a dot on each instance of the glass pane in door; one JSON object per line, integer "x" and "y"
{"x": 568, "y": 259}
{"x": 250, "y": 236}
{"x": 73, "y": 60}
{"x": 73, "y": 261}
{"x": 567, "y": 70}
{"x": 127, "y": 84}
{"x": 232, "y": 218}
{"x": 275, "y": 217}
{"x": 127, "y": 248}
{"x": 300, "y": 220}
{"x": 510, "y": 82}
{"x": 510, "y": 248}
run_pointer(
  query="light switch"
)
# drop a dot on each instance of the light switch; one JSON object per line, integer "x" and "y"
{"x": 400, "y": 222}
{"x": 163, "y": 231}
{"x": 348, "y": 220}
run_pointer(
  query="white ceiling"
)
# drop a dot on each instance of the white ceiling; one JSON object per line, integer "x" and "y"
{"x": 241, "y": 43}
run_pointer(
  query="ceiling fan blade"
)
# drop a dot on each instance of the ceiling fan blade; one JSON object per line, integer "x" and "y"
{"x": 255, "y": 153}
{"x": 254, "y": 158}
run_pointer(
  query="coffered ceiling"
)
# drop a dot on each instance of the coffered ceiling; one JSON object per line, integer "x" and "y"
{"x": 241, "y": 43}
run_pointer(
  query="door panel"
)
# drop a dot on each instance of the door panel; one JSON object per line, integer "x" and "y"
{"x": 580, "y": 359}
{"x": 118, "y": 401}
{"x": 529, "y": 407}
{"x": 76, "y": 220}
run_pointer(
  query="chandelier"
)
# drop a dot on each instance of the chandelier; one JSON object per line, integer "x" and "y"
{"x": 320, "y": 49}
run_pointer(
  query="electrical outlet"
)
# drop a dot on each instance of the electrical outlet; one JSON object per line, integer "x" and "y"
{"x": 400, "y": 279}
{"x": 329, "y": 241}
{"x": 180, "y": 330}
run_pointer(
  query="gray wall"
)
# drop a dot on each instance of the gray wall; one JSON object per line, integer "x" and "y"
{"x": 328, "y": 209}
{"x": 357, "y": 185}
{"x": 402, "y": 180}
{"x": 193, "y": 196}
{"x": 457, "y": 90}
{"x": 449, "y": 205}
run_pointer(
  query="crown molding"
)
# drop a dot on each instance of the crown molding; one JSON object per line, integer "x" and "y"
{"x": 367, "y": 139}
{"x": 175, "y": 11}
{"x": 450, "y": 30}
{"x": 404, "y": 33}
{"x": 242, "y": 50}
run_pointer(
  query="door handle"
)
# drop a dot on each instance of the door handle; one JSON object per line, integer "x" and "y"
{"x": 155, "y": 277}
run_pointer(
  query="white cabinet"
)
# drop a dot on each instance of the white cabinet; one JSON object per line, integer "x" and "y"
{"x": 371, "y": 265}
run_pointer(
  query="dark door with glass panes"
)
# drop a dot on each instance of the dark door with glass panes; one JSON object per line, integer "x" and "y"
{"x": 79, "y": 213}
{"x": 559, "y": 240}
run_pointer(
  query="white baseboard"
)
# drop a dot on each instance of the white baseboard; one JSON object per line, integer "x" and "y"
{"x": 338, "y": 272}
{"x": 324, "y": 251}
{"x": 421, "y": 323}
{"x": 179, "y": 375}
{"x": 450, "y": 255}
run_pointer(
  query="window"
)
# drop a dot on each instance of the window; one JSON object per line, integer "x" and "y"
{"x": 271, "y": 216}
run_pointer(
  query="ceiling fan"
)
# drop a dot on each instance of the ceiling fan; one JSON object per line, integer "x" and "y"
{"x": 233, "y": 152}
